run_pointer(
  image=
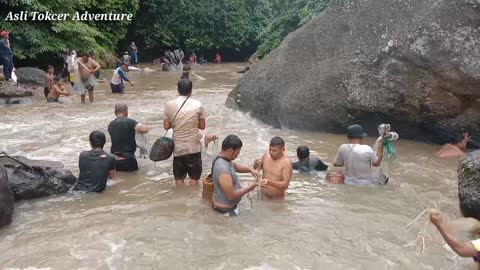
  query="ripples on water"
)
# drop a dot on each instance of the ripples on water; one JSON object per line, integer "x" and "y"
{"x": 143, "y": 221}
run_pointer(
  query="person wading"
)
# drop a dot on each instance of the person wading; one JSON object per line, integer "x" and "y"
{"x": 122, "y": 132}
{"x": 359, "y": 159}
{"x": 6, "y": 55}
{"x": 96, "y": 166}
{"x": 277, "y": 169}
{"x": 189, "y": 118}
{"x": 228, "y": 191}
{"x": 116, "y": 83}
{"x": 87, "y": 68}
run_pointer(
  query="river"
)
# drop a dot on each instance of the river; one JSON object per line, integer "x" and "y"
{"x": 142, "y": 221}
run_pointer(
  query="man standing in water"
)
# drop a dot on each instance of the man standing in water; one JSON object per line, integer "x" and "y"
{"x": 6, "y": 55}
{"x": 228, "y": 191}
{"x": 186, "y": 116}
{"x": 116, "y": 83}
{"x": 96, "y": 166}
{"x": 122, "y": 132}
{"x": 87, "y": 68}
{"x": 277, "y": 169}
{"x": 359, "y": 159}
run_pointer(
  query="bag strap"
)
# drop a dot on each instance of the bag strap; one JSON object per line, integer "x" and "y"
{"x": 175, "y": 117}
{"x": 217, "y": 158}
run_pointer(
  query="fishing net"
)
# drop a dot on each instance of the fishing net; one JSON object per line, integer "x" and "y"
{"x": 390, "y": 151}
{"x": 162, "y": 149}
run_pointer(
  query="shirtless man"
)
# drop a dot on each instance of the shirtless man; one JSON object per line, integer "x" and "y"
{"x": 277, "y": 169}
{"x": 50, "y": 77}
{"x": 87, "y": 68}
{"x": 57, "y": 90}
{"x": 456, "y": 148}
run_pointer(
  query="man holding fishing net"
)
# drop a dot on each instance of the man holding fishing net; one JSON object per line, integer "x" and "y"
{"x": 87, "y": 68}
{"x": 359, "y": 159}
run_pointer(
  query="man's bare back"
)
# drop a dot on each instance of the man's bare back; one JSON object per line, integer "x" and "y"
{"x": 276, "y": 175}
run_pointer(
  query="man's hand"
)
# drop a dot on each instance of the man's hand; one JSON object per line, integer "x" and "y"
{"x": 254, "y": 172}
{"x": 466, "y": 137}
{"x": 131, "y": 83}
{"x": 257, "y": 164}
{"x": 252, "y": 186}
{"x": 435, "y": 217}
{"x": 264, "y": 182}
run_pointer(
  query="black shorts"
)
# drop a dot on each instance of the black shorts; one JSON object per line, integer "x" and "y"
{"x": 126, "y": 165}
{"x": 116, "y": 88}
{"x": 188, "y": 164}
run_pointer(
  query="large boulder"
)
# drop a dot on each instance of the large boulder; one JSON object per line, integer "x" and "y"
{"x": 469, "y": 185}
{"x": 414, "y": 64}
{"x": 6, "y": 199}
{"x": 13, "y": 90}
{"x": 31, "y": 76}
{"x": 36, "y": 178}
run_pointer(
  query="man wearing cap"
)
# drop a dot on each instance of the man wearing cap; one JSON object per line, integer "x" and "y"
{"x": 359, "y": 159}
{"x": 6, "y": 55}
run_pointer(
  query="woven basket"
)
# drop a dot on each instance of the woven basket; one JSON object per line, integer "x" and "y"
{"x": 335, "y": 177}
{"x": 162, "y": 149}
{"x": 207, "y": 192}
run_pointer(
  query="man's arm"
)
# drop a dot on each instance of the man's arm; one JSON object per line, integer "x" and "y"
{"x": 339, "y": 158}
{"x": 166, "y": 120}
{"x": 111, "y": 168}
{"x": 201, "y": 121}
{"x": 462, "y": 248}
{"x": 141, "y": 128}
{"x": 97, "y": 66}
{"x": 226, "y": 183}
{"x": 258, "y": 163}
{"x": 379, "y": 154}
{"x": 122, "y": 75}
{"x": 240, "y": 168}
{"x": 201, "y": 124}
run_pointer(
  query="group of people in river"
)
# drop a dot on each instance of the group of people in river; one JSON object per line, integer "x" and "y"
{"x": 186, "y": 117}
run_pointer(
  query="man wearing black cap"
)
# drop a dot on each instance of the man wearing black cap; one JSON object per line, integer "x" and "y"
{"x": 359, "y": 159}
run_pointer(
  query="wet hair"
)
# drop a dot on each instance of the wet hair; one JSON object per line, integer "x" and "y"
{"x": 85, "y": 54}
{"x": 97, "y": 139}
{"x": 121, "y": 108}
{"x": 277, "y": 141}
{"x": 456, "y": 137}
{"x": 231, "y": 142}
{"x": 303, "y": 152}
{"x": 58, "y": 78}
{"x": 49, "y": 67}
{"x": 185, "y": 87}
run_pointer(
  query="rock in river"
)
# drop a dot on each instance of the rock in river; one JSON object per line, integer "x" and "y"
{"x": 469, "y": 185}
{"x": 6, "y": 199}
{"x": 31, "y": 76}
{"x": 414, "y": 64}
{"x": 36, "y": 178}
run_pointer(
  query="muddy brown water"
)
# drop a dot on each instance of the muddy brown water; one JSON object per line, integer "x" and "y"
{"x": 143, "y": 221}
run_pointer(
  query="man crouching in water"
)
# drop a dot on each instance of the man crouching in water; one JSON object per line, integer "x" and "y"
{"x": 277, "y": 169}
{"x": 122, "y": 132}
{"x": 227, "y": 188}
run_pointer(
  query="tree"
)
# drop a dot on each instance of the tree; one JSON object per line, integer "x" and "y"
{"x": 286, "y": 20}
{"x": 32, "y": 39}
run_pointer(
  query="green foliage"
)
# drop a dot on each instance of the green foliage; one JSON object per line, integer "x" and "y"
{"x": 199, "y": 23}
{"x": 35, "y": 38}
{"x": 287, "y": 16}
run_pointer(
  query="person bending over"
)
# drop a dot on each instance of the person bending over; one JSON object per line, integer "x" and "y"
{"x": 456, "y": 148}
